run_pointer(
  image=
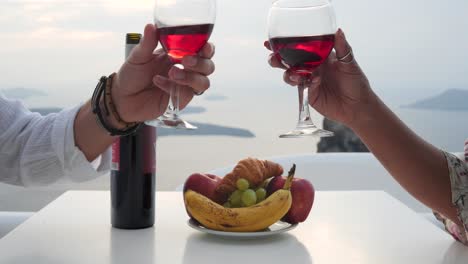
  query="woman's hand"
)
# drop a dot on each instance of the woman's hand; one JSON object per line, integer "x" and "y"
{"x": 339, "y": 89}
{"x": 142, "y": 85}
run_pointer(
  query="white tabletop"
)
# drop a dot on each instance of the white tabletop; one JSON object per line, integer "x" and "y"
{"x": 344, "y": 227}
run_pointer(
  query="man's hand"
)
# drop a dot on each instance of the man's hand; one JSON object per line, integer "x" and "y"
{"x": 142, "y": 85}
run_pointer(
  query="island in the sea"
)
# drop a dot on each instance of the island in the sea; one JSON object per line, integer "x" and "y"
{"x": 22, "y": 93}
{"x": 204, "y": 129}
{"x": 449, "y": 100}
{"x": 215, "y": 97}
{"x": 46, "y": 110}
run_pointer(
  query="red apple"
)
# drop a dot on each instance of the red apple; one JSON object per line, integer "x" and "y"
{"x": 204, "y": 184}
{"x": 303, "y": 194}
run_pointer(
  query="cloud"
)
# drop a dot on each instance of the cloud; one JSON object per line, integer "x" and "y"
{"x": 115, "y": 5}
{"x": 46, "y": 19}
{"x": 49, "y": 37}
{"x": 126, "y": 6}
{"x": 52, "y": 23}
{"x": 62, "y": 13}
{"x": 239, "y": 41}
{"x": 52, "y": 33}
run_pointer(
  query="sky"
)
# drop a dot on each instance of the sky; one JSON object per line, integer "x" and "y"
{"x": 62, "y": 47}
{"x": 409, "y": 49}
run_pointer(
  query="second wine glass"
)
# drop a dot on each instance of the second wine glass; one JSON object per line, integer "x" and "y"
{"x": 184, "y": 27}
{"x": 301, "y": 34}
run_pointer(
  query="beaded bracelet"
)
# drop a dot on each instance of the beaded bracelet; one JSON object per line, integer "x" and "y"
{"x": 108, "y": 97}
{"x": 100, "y": 92}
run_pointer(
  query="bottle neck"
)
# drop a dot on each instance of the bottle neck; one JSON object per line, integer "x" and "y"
{"x": 128, "y": 49}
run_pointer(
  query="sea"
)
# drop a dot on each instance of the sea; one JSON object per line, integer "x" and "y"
{"x": 61, "y": 48}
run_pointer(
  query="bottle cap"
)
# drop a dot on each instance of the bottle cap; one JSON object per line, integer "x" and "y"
{"x": 133, "y": 38}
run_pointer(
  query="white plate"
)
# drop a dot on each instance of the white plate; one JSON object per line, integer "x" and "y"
{"x": 277, "y": 228}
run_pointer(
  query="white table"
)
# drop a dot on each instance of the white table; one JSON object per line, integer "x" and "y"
{"x": 344, "y": 227}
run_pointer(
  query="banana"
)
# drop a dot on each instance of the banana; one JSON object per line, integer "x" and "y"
{"x": 247, "y": 219}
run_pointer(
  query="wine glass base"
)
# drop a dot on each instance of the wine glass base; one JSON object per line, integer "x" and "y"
{"x": 171, "y": 122}
{"x": 307, "y": 132}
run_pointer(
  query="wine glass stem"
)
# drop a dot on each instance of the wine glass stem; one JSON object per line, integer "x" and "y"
{"x": 304, "y": 114}
{"x": 174, "y": 101}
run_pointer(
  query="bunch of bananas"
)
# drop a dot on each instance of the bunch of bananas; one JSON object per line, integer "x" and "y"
{"x": 246, "y": 219}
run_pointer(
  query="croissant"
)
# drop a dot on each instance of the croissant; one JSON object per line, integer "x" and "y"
{"x": 253, "y": 170}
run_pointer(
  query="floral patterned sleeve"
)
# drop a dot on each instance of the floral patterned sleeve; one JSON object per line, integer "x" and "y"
{"x": 459, "y": 181}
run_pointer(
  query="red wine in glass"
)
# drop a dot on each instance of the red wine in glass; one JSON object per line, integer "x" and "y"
{"x": 181, "y": 41}
{"x": 184, "y": 27}
{"x": 303, "y": 54}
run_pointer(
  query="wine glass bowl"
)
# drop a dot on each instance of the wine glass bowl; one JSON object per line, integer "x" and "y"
{"x": 302, "y": 35}
{"x": 184, "y": 27}
{"x": 302, "y": 55}
{"x": 183, "y": 41}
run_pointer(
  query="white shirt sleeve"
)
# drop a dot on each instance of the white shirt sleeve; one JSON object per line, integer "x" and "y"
{"x": 39, "y": 150}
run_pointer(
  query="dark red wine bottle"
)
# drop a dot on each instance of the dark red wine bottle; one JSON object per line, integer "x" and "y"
{"x": 133, "y": 172}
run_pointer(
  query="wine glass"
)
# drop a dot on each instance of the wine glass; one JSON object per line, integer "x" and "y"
{"x": 302, "y": 35}
{"x": 184, "y": 27}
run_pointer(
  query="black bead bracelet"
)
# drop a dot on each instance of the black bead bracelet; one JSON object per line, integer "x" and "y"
{"x": 99, "y": 93}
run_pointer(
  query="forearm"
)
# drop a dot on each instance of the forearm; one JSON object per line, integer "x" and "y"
{"x": 90, "y": 138}
{"x": 418, "y": 166}
{"x": 39, "y": 150}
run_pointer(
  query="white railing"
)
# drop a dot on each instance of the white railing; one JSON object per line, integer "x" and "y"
{"x": 327, "y": 172}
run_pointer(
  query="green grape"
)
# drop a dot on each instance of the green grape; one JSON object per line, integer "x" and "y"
{"x": 235, "y": 199}
{"x": 242, "y": 184}
{"x": 227, "y": 205}
{"x": 261, "y": 194}
{"x": 249, "y": 197}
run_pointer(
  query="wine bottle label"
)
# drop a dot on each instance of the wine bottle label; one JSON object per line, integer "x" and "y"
{"x": 148, "y": 150}
{"x": 115, "y": 165}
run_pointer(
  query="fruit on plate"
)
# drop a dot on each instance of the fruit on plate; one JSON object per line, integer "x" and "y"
{"x": 246, "y": 219}
{"x": 253, "y": 170}
{"x": 245, "y": 196}
{"x": 261, "y": 194}
{"x": 204, "y": 184}
{"x": 303, "y": 194}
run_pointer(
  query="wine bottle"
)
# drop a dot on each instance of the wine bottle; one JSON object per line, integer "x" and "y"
{"x": 133, "y": 172}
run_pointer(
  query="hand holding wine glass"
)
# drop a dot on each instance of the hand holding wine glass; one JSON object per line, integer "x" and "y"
{"x": 338, "y": 89}
{"x": 301, "y": 34}
{"x": 142, "y": 86}
{"x": 184, "y": 27}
